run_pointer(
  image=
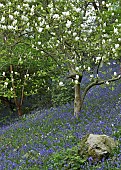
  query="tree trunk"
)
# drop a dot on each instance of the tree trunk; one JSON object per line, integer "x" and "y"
{"x": 78, "y": 102}
{"x": 19, "y": 109}
{"x": 17, "y": 103}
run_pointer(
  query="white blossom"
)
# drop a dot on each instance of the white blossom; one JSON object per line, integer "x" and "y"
{"x": 55, "y": 16}
{"x": 68, "y": 24}
{"x": 16, "y": 13}
{"x": 103, "y": 41}
{"x": 10, "y": 27}
{"x": 83, "y": 26}
{"x": 84, "y": 66}
{"x": 1, "y": 5}
{"x": 89, "y": 68}
{"x": 114, "y": 62}
{"x": 77, "y": 68}
{"x": 61, "y": 83}
{"x": 18, "y": 7}
{"x": 119, "y": 76}
{"x": 4, "y": 27}
{"x": 39, "y": 18}
{"x": 76, "y": 82}
{"x": 6, "y": 83}
{"x": 40, "y": 29}
{"x": 119, "y": 25}
{"x": 32, "y": 9}
{"x": 115, "y": 30}
{"x": 105, "y": 35}
{"x": 39, "y": 43}
{"x": 3, "y": 74}
{"x": 104, "y": 24}
{"x": 76, "y": 38}
{"x": 103, "y": 2}
{"x": 116, "y": 46}
{"x": 74, "y": 34}
{"x": 77, "y": 9}
{"x": 11, "y": 17}
{"x": 14, "y": 22}
{"x": 107, "y": 5}
{"x": 47, "y": 26}
{"x": 98, "y": 58}
{"x": 85, "y": 39}
{"x": 109, "y": 40}
{"x": 2, "y": 19}
{"x": 42, "y": 22}
{"x": 65, "y": 13}
{"x": 91, "y": 76}
{"x": 77, "y": 77}
{"x": 24, "y": 18}
{"x": 112, "y": 125}
{"x": 90, "y": 31}
{"x": 11, "y": 89}
{"x": 107, "y": 82}
{"x": 69, "y": 32}
{"x": 26, "y": 5}
{"x": 115, "y": 74}
{"x": 113, "y": 49}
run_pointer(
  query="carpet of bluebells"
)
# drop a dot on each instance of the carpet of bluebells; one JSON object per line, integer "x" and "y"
{"x": 27, "y": 143}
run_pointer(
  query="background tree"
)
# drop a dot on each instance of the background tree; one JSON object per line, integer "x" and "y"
{"x": 77, "y": 36}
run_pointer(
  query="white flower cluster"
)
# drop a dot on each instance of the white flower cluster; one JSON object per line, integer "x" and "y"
{"x": 68, "y": 24}
{"x": 56, "y": 16}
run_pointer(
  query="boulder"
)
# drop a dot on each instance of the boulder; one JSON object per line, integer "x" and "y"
{"x": 96, "y": 147}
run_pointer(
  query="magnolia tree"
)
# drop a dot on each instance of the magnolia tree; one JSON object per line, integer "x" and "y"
{"x": 77, "y": 36}
{"x": 23, "y": 72}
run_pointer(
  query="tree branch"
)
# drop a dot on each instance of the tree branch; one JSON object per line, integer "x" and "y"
{"x": 96, "y": 82}
{"x": 99, "y": 66}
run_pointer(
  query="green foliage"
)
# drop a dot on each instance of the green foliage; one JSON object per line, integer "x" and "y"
{"x": 41, "y": 49}
{"x": 62, "y": 94}
{"x": 66, "y": 159}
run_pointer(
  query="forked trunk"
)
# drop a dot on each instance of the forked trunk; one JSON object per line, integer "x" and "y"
{"x": 78, "y": 102}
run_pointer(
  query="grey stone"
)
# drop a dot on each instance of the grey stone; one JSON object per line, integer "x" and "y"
{"x": 97, "y": 147}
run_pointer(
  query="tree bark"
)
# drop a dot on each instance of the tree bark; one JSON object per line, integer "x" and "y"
{"x": 17, "y": 103}
{"x": 19, "y": 109}
{"x": 78, "y": 102}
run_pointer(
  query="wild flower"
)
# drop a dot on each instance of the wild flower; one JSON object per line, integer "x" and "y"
{"x": 30, "y": 141}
